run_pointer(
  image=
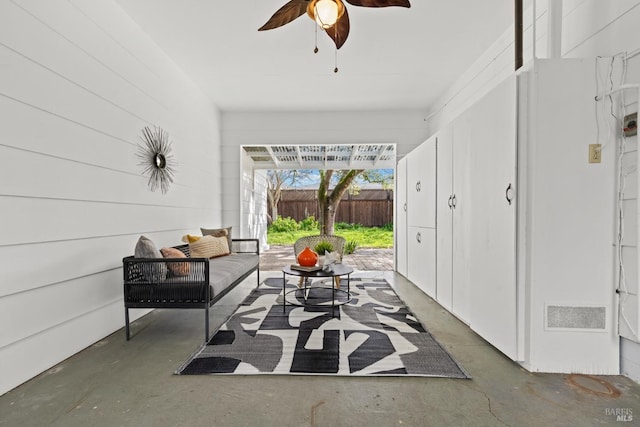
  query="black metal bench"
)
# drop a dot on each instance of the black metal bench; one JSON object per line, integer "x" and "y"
{"x": 207, "y": 280}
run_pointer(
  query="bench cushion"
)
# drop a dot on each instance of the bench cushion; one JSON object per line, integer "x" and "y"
{"x": 224, "y": 271}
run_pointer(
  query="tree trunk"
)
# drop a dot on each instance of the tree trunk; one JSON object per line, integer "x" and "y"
{"x": 323, "y": 189}
{"x": 274, "y": 192}
{"x": 328, "y": 203}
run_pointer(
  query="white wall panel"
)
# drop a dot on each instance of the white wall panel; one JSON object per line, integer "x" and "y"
{"x": 78, "y": 22}
{"x": 48, "y": 220}
{"x": 630, "y": 359}
{"x": 35, "y": 85}
{"x": 79, "y": 82}
{"x": 258, "y": 220}
{"x": 64, "y": 260}
{"x": 58, "y": 180}
{"x": 22, "y": 33}
{"x": 594, "y": 27}
{"x": 74, "y": 141}
{"x": 36, "y": 312}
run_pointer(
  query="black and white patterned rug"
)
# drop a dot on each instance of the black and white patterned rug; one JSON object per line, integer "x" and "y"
{"x": 374, "y": 334}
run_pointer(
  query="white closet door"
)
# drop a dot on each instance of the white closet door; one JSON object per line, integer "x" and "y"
{"x": 492, "y": 238}
{"x": 421, "y": 247}
{"x": 444, "y": 218}
{"x": 401, "y": 217}
{"x": 421, "y": 185}
{"x": 461, "y": 279}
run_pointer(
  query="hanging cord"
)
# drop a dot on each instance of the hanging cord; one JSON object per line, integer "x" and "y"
{"x": 597, "y": 105}
{"x": 615, "y": 134}
{"x": 602, "y": 112}
{"x": 623, "y": 291}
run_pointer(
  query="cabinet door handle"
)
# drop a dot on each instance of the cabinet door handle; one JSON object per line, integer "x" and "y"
{"x": 454, "y": 201}
{"x": 419, "y": 237}
{"x": 450, "y": 202}
{"x": 405, "y": 206}
{"x": 418, "y": 186}
{"x": 507, "y": 194}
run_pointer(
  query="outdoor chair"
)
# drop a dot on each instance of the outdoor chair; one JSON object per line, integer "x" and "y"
{"x": 337, "y": 243}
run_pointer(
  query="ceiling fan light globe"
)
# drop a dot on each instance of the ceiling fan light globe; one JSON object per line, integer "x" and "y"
{"x": 326, "y": 13}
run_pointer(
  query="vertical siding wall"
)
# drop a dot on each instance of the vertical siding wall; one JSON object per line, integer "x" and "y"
{"x": 257, "y": 220}
{"x": 78, "y": 82}
{"x": 253, "y": 188}
{"x": 590, "y": 28}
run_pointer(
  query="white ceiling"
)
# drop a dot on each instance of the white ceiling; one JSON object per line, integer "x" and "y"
{"x": 394, "y": 58}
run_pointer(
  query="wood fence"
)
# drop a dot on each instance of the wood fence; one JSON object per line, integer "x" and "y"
{"x": 371, "y": 208}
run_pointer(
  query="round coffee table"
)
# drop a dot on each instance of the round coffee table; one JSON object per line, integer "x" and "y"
{"x": 336, "y": 271}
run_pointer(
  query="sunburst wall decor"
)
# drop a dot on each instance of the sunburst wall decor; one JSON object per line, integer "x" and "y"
{"x": 155, "y": 156}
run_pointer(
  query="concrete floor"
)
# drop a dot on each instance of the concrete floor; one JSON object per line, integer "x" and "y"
{"x": 120, "y": 383}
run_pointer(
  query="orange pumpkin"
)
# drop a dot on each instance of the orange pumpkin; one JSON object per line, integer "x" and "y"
{"x": 307, "y": 258}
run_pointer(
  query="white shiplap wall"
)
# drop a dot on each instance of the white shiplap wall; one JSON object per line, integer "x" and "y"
{"x": 78, "y": 82}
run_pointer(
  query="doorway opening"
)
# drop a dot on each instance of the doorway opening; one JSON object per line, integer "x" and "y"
{"x": 311, "y": 162}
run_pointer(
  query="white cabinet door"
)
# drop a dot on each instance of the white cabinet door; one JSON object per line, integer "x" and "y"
{"x": 421, "y": 185}
{"x": 444, "y": 218}
{"x": 421, "y": 247}
{"x": 492, "y": 237}
{"x": 461, "y": 201}
{"x": 401, "y": 217}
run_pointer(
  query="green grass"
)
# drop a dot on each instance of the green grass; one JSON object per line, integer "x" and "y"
{"x": 368, "y": 237}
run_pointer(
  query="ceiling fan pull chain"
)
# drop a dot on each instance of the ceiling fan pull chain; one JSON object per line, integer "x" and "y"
{"x": 335, "y": 70}
{"x": 316, "y": 49}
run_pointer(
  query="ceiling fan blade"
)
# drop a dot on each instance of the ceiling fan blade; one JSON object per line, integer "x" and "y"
{"x": 379, "y": 3}
{"x": 287, "y": 13}
{"x": 340, "y": 31}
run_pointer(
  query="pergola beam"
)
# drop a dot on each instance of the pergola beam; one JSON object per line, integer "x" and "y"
{"x": 322, "y": 156}
{"x": 379, "y": 155}
{"x": 274, "y": 159}
{"x": 299, "y": 156}
{"x": 354, "y": 153}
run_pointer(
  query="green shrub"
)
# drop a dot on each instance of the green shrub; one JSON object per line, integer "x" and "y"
{"x": 387, "y": 227}
{"x": 323, "y": 247}
{"x": 284, "y": 225}
{"x": 350, "y": 247}
{"x": 310, "y": 223}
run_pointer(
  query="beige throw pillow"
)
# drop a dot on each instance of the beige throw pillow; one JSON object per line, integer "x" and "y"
{"x": 209, "y": 247}
{"x": 218, "y": 232}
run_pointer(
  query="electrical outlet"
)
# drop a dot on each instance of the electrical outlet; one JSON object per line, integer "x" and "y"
{"x": 595, "y": 153}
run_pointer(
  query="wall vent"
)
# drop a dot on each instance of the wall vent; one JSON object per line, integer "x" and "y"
{"x": 583, "y": 318}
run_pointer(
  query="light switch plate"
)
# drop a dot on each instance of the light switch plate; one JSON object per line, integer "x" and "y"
{"x": 595, "y": 153}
